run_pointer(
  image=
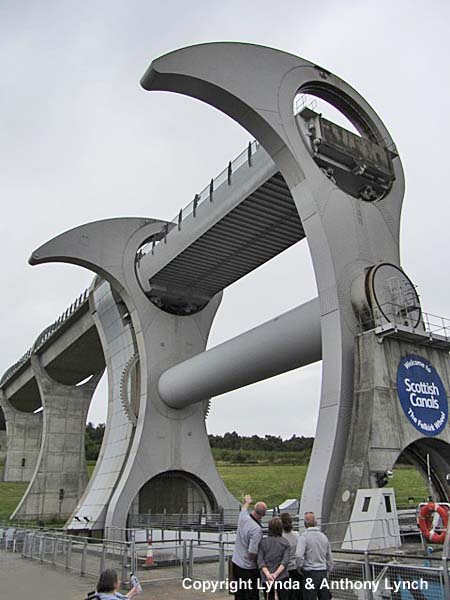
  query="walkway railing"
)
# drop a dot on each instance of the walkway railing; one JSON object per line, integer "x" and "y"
{"x": 206, "y": 195}
{"x": 200, "y": 565}
{"x": 46, "y": 335}
{"x": 391, "y": 316}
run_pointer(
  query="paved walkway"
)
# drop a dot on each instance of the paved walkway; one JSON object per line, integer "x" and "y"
{"x": 22, "y": 579}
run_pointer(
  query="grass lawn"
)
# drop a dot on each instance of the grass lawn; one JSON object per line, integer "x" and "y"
{"x": 10, "y": 495}
{"x": 408, "y": 483}
{"x": 271, "y": 483}
{"x": 274, "y": 484}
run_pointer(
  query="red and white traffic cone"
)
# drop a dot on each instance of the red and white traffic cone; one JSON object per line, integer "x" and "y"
{"x": 149, "y": 560}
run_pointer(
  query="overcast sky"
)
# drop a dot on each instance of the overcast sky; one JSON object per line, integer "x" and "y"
{"x": 80, "y": 141}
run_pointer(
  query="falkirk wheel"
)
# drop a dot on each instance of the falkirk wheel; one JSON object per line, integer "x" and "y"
{"x": 385, "y": 376}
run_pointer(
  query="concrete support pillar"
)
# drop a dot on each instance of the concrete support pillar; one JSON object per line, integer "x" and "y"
{"x": 22, "y": 442}
{"x": 61, "y": 474}
{"x": 166, "y": 442}
{"x": 380, "y": 429}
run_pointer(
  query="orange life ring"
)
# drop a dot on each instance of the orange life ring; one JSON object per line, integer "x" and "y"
{"x": 425, "y": 521}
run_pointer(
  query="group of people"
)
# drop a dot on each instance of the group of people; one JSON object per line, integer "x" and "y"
{"x": 283, "y": 564}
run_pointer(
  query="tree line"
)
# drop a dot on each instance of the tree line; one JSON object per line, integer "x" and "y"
{"x": 229, "y": 441}
{"x": 234, "y": 441}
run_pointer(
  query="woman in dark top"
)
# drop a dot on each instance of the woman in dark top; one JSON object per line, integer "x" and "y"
{"x": 273, "y": 561}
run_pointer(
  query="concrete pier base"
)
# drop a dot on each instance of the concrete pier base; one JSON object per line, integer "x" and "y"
{"x": 22, "y": 442}
{"x": 60, "y": 476}
{"x": 380, "y": 432}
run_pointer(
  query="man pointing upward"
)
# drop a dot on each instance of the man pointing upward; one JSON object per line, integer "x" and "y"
{"x": 248, "y": 536}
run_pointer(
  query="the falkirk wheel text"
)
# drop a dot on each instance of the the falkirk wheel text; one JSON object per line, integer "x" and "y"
{"x": 157, "y": 288}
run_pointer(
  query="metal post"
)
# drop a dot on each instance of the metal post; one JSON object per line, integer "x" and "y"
{"x": 184, "y": 559}
{"x": 124, "y": 564}
{"x": 54, "y": 551}
{"x": 133, "y": 555}
{"x": 180, "y": 218}
{"x": 83, "y": 559}
{"x": 221, "y": 561}
{"x": 249, "y": 154}
{"x": 229, "y": 173}
{"x": 445, "y": 552}
{"x": 211, "y": 190}
{"x": 191, "y": 559}
{"x": 367, "y": 575}
{"x": 68, "y": 553}
{"x": 446, "y": 578}
{"x": 103, "y": 559}
{"x": 41, "y": 549}
{"x": 196, "y": 199}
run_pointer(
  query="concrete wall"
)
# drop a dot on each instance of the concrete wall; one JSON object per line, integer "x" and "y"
{"x": 61, "y": 474}
{"x": 379, "y": 429}
{"x": 23, "y": 442}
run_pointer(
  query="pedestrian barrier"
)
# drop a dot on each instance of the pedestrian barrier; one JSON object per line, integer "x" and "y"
{"x": 355, "y": 575}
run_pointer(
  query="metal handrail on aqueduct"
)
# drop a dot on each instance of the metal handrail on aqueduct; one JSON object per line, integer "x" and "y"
{"x": 45, "y": 335}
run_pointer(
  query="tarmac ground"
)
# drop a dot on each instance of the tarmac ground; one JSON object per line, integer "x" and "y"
{"x": 23, "y": 579}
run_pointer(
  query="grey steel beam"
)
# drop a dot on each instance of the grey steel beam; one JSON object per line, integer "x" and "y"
{"x": 287, "y": 342}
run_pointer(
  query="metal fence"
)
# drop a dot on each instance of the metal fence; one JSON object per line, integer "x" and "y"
{"x": 221, "y": 520}
{"x": 89, "y": 556}
{"x": 205, "y": 557}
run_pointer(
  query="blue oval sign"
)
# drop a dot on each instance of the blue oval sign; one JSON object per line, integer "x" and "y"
{"x": 422, "y": 395}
